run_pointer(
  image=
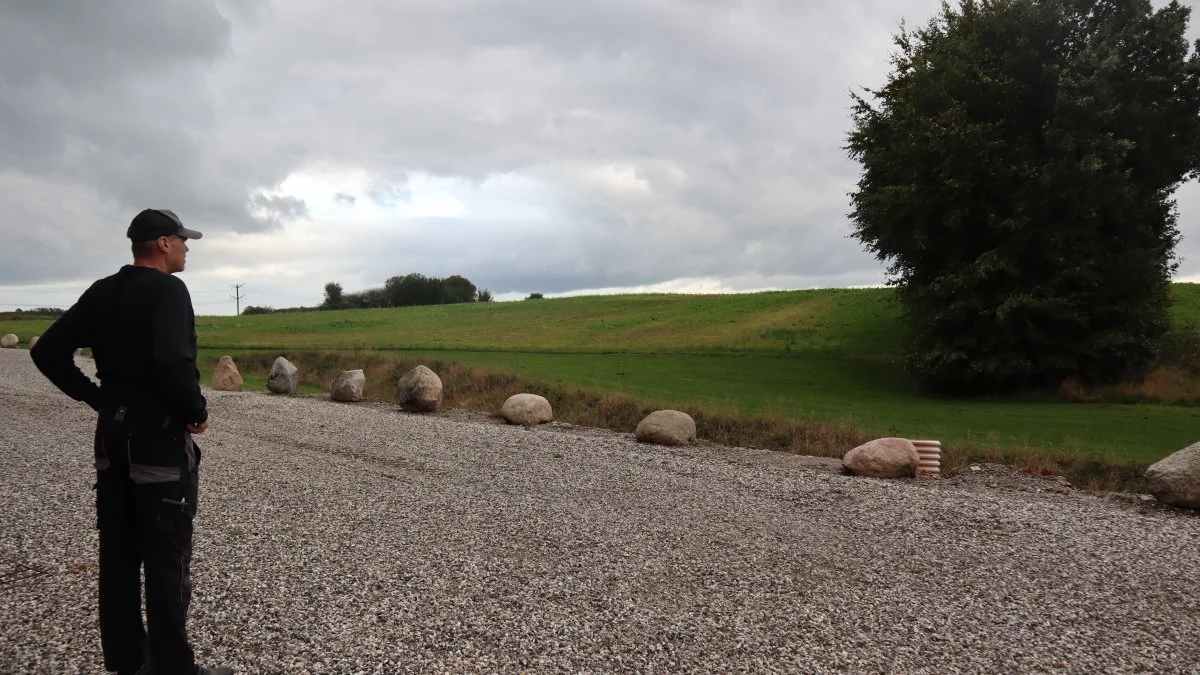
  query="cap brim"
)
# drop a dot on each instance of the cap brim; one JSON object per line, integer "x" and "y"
{"x": 188, "y": 234}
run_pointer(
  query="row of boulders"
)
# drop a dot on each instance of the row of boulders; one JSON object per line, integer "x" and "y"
{"x": 420, "y": 390}
{"x": 1173, "y": 480}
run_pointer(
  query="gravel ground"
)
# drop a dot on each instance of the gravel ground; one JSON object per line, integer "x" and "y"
{"x": 354, "y": 538}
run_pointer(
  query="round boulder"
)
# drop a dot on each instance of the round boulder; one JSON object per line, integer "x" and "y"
{"x": 1175, "y": 479}
{"x": 9, "y": 341}
{"x": 883, "y": 458}
{"x": 527, "y": 409}
{"x": 226, "y": 376}
{"x": 348, "y": 386}
{"x": 420, "y": 390}
{"x": 33, "y": 341}
{"x": 666, "y": 427}
{"x": 284, "y": 377}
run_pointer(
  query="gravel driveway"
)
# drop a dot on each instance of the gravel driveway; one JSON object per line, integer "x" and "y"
{"x": 353, "y": 538}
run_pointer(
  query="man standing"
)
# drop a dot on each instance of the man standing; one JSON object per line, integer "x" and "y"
{"x": 140, "y": 327}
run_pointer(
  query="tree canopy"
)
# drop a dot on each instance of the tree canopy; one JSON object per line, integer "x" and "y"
{"x": 1018, "y": 172}
{"x": 406, "y": 291}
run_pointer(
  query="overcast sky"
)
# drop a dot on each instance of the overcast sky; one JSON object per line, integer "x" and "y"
{"x": 529, "y": 145}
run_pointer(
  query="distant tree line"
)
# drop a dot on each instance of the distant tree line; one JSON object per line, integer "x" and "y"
{"x": 257, "y": 309}
{"x": 35, "y": 313}
{"x": 407, "y": 291}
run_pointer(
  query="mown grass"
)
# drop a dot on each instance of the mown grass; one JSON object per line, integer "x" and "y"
{"x": 837, "y": 320}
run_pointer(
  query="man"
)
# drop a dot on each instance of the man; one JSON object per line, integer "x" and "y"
{"x": 140, "y": 326}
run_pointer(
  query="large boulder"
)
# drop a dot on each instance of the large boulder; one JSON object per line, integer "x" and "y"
{"x": 420, "y": 390}
{"x": 1175, "y": 479}
{"x": 666, "y": 427}
{"x": 9, "y": 341}
{"x": 33, "y": 341}
{"x": 226, "y": 376}
{"x": 284, "y": 377}
{"x": 527, "y": 409}
{"x": 883, "y": 458}
{"x": 348, "y": 386}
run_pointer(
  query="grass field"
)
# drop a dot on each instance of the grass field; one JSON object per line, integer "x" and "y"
{"x": 840, "y": 321}
{"x": 824, "y": 355}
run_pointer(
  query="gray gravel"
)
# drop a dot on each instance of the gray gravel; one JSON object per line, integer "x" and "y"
{"x": 354, "y": 538}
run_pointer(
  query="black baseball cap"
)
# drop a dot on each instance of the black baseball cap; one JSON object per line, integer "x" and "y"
{"x": 154, "y": 223}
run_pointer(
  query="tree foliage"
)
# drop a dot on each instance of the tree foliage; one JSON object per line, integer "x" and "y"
{"x": 410, "y": 290}
{"x": 333, "y": 296}
{"x": 1018, "y": 172}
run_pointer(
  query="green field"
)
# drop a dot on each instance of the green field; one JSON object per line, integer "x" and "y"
{"x": 824, "y": 355}
{"x": 841, "y": 321}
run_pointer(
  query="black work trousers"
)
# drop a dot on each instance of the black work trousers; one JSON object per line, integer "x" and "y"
{"x": 146, "y": 497}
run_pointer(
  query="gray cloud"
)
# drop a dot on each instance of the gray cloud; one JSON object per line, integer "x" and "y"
{"x": 274, "y": 208}
{"x": 647, "y": 140}
{"x": 388, "y": 193}
{"x": 117, "y": 97}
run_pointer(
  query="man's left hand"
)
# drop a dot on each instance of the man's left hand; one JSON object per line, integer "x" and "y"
{"x": 199, "y": 428}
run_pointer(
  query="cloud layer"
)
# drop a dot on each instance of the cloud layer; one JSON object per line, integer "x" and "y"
{"x": 529, "y": 145}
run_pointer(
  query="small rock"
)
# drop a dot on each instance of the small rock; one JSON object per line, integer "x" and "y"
{"x": 33, "y": 341}
{"x": 284, "y": 377}
{"x": 883, "y": 458}
{"x": 226, "y": 376}
{"x": 666, "y": 427}
{"x": 8, "y": 341}
{"x": 348, "y": 386}
{"x": 1175, "y": 479}
{"x": 420, "y": 390}
{"x": 527, "y": 409}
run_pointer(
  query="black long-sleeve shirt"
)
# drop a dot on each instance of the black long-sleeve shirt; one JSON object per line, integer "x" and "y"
{"x": 141, "y": 328}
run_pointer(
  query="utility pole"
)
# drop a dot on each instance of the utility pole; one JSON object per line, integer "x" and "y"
{"x": 238, "y": 296}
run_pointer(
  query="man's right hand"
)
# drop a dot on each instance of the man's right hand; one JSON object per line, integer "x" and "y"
{"x": 199, "y": 428}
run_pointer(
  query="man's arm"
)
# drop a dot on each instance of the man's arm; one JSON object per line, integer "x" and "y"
{"x": 54, "y": 355}
{"x": 172, "y": 329}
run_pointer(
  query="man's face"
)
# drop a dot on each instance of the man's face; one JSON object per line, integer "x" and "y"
{"x": 177, "y": 249}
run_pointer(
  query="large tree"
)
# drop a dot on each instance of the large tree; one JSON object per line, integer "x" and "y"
{"x": 1018, "y": 172}
{"x": 333, "y": 296}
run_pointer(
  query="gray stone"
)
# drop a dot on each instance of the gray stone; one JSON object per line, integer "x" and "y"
{"x": 1175, "y": 479}
{"x": 420, "y": 390}
{"x": 33, "y": 341}
{"x": 284, "y": 377}
{"x": 9, "y": 341}
{"x": 883, "y": 458}
{"x": 666, "y": 427}
{"x": 527, "y": 409}
{"x": 348, "y": 386}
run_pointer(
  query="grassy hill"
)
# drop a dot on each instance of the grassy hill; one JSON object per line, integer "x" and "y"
{"x": 862, "y": 323}
{"x": 831, "y": 321}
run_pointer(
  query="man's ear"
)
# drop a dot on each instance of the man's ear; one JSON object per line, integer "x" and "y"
{"x": 164, "y": 244}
